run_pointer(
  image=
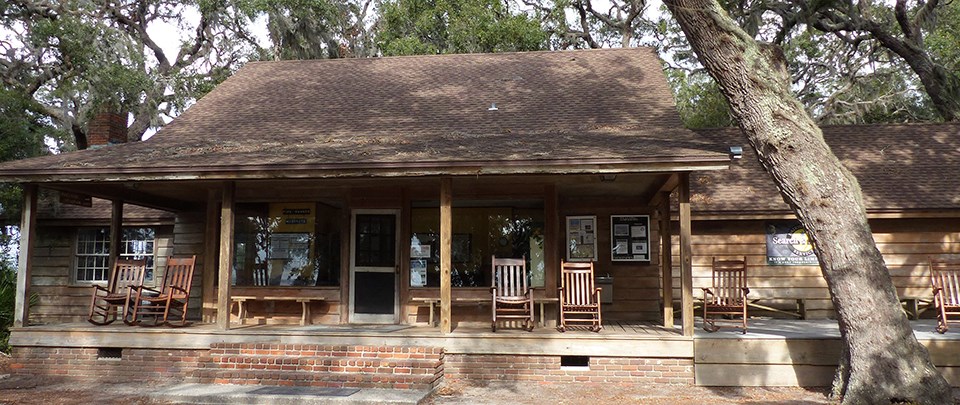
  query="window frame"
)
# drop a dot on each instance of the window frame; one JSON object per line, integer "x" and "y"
{"x": 76, "y": 256}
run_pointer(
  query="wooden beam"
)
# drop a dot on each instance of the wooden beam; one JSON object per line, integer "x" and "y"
{"x": 686, "y": 256}
{"x": 131, "y": 196}
{"x": 211, "y": 261}
{"x": 552, "y": 240}
{"x": 669, "y": 184}
{"x": 116, "y": 232}
{"x": 226, "y": 256}
{"x": 406, "y": 224}
{"x": 666, "y": 260}
{"x": 28, "y": 224}
{"x": 345, "y": 285}
{"x": 446, "y": 261}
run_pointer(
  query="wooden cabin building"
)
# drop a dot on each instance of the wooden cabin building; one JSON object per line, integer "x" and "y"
{"x": 906, "y": 173}
{"x": 339, "y": 208}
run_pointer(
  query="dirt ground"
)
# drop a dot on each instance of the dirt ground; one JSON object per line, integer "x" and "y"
{"x": 596, "y": 394}
{"x": 19, "y": 390}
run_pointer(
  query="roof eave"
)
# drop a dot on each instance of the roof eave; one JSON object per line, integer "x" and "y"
{"x": 366, "y": 170}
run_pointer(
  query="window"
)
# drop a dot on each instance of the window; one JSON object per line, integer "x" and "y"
{"x": 287, "y": 244}
{"x": 93, "y": 252}
{"x": 480, "y": 230}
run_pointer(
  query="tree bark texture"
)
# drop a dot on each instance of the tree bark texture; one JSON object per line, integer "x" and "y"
{"x": 885, "y": 360}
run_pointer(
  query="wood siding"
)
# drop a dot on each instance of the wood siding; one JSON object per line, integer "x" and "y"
{"x": 60, "y": 298}
{"x": 636, "y": 285}
{"x": 189, "y": 240}
{"x": 906, "y": 245}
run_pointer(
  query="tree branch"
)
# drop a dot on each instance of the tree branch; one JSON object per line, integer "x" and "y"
{"x": 138, "y": 29}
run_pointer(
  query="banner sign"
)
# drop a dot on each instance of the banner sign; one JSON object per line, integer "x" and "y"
{"x": 788, "y": 245}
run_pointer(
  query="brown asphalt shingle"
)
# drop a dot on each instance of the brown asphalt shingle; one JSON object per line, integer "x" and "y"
{"x": 594, "y": 104}
{"x": 899, "y": 167}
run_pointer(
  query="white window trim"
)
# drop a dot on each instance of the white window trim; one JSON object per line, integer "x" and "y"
{"x": 75, "y": 258}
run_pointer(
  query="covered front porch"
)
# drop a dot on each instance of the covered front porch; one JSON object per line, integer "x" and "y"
{"x": 453, "y": 225}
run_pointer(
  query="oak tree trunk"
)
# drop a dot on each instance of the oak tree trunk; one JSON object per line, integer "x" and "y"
{"x": 885, "y": 360}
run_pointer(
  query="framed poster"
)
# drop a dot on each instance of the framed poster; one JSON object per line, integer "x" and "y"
{"x": 630, "y": 238}
{"x": 582, "y": 238}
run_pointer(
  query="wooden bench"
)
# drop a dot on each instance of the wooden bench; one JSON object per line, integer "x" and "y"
{"x": 914, "y": 306}
{"x": 800, "y": 313}
{"x": 305, "y": 316}
{"x": 467, "y": 301}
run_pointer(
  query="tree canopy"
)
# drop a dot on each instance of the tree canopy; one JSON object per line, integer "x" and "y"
{"x": 411, "y": 27}
{"x": 850, "y": 63}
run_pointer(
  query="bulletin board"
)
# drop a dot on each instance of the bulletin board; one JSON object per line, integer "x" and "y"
{"x": 582, "y": 238}
{"x": 630, "y": 238}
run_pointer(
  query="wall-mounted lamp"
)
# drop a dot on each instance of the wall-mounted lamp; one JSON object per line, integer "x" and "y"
{"x": 493, "y": 107}
{"x": 608, "y": 177}
{"x": 736, "y": 152}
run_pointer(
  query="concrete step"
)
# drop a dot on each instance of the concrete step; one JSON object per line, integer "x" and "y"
{"x": 325, "y": 363}
{"x": 254, "y": 394}
{"x": 313, "y": 378}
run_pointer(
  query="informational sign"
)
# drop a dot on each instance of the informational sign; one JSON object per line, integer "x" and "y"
{"x": 630, "y": 238}
{"x": 788, "y": 245}
{"x": 418, "y": 272}
{"x": 82, "y": 200}
{"x": 290, "y": 255}
{"x": 582, "y": 238}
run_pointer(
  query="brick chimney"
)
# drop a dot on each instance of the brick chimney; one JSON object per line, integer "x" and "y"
{"x": 107, "y": 128}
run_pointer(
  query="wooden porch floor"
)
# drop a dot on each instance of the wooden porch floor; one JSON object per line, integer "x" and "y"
{"x": 632, "y": 339}
{"x": 798, "y": 353}
{"x": 618, "y": 338}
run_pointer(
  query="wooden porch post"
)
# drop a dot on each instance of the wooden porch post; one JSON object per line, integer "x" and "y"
{"x": 551, "y": 237}
{"x": 226, "y": 256}
{"x": 686, "y": 264}
{"x": 666, "y": 261}
{"x": 211, "y": 261}
{"x": 28, "y": 223}
{"x": 446, "y": 241}
{"x": 116, "y": 232}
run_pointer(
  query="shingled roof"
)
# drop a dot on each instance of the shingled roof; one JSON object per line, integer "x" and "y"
{"x": 271, "y": 119}
{"x": 899, "y": 167}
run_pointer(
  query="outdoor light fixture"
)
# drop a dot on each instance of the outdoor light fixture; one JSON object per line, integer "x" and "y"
{"x": 608, "y": 177}
{"x": 493, "y": 107}
{"x": 736, "y": 152}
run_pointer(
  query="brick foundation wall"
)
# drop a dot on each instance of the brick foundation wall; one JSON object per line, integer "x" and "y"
{"x": 324, "y": 365}
{"x": 548, "y": 369}
{"x": 85, "y": 364}
{"x": 336, "y": 366}
{"x": 265, "y": 364}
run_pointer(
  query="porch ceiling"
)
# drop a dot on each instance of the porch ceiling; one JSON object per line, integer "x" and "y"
{"x": 187, "y": 195}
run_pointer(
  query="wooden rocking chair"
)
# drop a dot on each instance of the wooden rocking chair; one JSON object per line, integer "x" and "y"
{"x": 728, "y": 295}
{"x": 105, "y": 301}
{"x": 170, "y": 300}
{"x": 945, "y": 277}
{"x": 579, "y": 299}
{"x": 512, "y": 297}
